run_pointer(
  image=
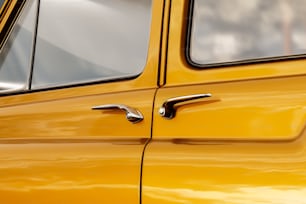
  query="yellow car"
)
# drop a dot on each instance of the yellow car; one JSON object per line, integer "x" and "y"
{"x": 152, "y": 101}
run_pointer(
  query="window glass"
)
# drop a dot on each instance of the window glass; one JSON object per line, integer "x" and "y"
{"x": 16, "y": 54}
{"x": 90, "y": 40}
{"x": 237, "y": 30}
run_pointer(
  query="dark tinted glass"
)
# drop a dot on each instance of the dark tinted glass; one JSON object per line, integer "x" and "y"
{"x": 89, "y": 40}
{"x": 237, "y": 30}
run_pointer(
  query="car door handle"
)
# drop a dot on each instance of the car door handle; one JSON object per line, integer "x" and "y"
{"x": 133, "y": 115}
{"x": 168, "y": 109}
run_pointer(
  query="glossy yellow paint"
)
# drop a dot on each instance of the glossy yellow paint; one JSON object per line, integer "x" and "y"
{"x": 61, "y": 151}
{"x": 72, "y": 118}
{"x": 261, "y": 109}
{"x": 246, "y": 147}
{"x": 71, "y": 171}
{"x": 206, "y": 172}
{"x": 263, "y": 101}
{"x": 55, "y": 149}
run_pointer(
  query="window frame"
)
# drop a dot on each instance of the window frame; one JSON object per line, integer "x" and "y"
{"x": 9, "y": 13}
{"x": 3, "y": 9}
{"x": 196, "y": 65}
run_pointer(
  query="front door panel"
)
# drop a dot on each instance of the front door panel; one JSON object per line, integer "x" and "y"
{"x": 62, "y": 151}
{"x": 54, "y": 148}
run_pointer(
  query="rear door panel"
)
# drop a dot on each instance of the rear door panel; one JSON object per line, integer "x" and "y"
{"x": 259, "y": 109}
{"x": 248, "y": 146}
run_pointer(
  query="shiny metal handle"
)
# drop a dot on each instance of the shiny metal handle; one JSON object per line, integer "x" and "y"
{"x": 168, "y": 108}
{"x": 133, "y": 115}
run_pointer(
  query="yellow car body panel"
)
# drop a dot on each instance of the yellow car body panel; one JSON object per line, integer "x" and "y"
{"x": 56, "y": 149}
{"x": 70, "y": 171}
{"x": 244, "y": 145}
{"x": 73, "y": 118}
{"x": 261, "y": 109}
{"x": 191, "y": 171}
{"x": 62, "y": 151}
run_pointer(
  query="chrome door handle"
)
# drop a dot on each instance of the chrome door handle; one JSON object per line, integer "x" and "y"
{"x": 133, "y": 115}
{"x": 168, "y": 109}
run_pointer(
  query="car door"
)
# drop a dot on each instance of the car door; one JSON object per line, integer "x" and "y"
{"x": 229, "y": 121}
{"x": 75, "y": 111}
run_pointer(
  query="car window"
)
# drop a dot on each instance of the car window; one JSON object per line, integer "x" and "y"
{"x": 224, "y": 31}
{"x": 16, "y": 54}
{"x": 90, "y": 40}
